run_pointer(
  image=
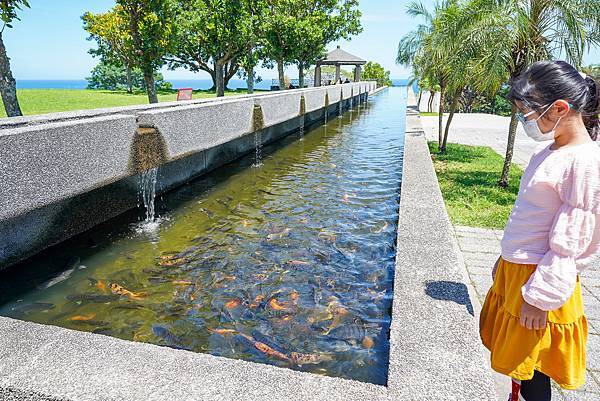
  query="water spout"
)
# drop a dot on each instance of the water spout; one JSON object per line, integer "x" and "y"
{"x": 257, "y": 149}
{"x": 148, "y": 192}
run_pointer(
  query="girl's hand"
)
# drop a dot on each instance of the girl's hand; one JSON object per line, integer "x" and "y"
{"x": 533, "y": 318}
{"x": 495, "y": 268}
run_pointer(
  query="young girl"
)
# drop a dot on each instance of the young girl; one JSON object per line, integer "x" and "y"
{"x": 532, "y": 319}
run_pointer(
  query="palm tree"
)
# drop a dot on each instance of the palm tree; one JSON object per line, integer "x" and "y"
{"x": 511, "y": 34}
{"x": 418, "y": 50}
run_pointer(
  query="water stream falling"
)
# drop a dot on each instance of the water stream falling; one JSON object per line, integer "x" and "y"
{"x": 148, "y": 192}
{"x": 257, "y": 149}
{"x": 301, "y": 131}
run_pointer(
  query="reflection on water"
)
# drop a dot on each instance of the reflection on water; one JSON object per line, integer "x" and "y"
{"x": 290, "y": 263}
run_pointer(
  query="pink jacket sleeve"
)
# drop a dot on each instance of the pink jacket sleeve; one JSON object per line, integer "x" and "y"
{"x": 553, "y": 282}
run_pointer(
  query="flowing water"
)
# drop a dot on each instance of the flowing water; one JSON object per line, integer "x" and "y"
{"x": 290, "y": 263}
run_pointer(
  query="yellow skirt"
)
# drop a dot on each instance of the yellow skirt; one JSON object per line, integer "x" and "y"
{"x": 558, "y": 351}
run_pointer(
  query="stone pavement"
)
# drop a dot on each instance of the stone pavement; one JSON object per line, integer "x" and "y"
{"x": 481, "y": 247}
{"x": 484, "y": 130}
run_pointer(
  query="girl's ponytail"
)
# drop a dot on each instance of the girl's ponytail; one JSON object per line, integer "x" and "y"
{"x": 591, "y": 109}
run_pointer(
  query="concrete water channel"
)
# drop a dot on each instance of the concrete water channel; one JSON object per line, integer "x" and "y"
{"x": 290, "y": 256}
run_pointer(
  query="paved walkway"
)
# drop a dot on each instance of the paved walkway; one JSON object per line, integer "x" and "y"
{"x": 467, "y": 129}
{"x": 481, "y": 247}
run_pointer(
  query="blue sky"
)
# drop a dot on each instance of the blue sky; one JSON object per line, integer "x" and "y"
{"x": 49, "y": 42}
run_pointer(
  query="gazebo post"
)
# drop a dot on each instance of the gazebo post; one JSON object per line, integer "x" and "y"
{"x": 337, "y": 73}
{"x": 357, "y": 72}
{"x": 318, "y": 75}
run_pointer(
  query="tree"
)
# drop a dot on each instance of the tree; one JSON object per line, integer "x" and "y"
{"x": 513, "y": 34}
{"x": 280, "y": 30}
{"x": 8, "y": 85}
{"x": 152, "y": 32}
{"x": 213, "y": 35}
{"x": 117, "y": 77}
{"x": 374, "y": 71}
{"x": 320, "y": 22}
{"x": 113, "y": 37}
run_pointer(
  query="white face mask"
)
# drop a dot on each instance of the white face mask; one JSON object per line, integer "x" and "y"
{"x": 532, "y": 129}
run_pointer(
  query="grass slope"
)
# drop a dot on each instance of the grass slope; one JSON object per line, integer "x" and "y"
{"x": 468, "y": 177}
{"x": 41, "y": 101}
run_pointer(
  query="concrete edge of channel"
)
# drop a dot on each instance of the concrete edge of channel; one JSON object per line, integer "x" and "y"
{"x": 435, "y": 351}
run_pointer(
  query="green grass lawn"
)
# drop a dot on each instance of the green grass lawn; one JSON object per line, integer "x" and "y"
{"x": 429, "y": 114}
{"x": 468, "y": 177}
{"x": 40, "y": 101}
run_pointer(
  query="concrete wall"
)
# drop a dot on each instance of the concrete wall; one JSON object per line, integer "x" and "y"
{"x": 63, "y": 173}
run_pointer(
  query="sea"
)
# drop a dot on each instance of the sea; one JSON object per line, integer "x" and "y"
{"x": 177, "y": 83}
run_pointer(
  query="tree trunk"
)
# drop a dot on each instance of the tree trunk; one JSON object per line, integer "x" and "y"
{"x": 281, "y": 75}
{"x": 512, "y": 132}
{"x": 8, "y": 85}
{"x": 419, "y": 101}
{"x": 150, "y": 86}
{"x": 430, "y": 104}
{"x": 441, "y": 118}
{"x": 220, "y": 79}
{"x": 450, "y": 117}
{"x": 129, "y": 80}
{"x": 250, "y": 72}
{"x": 300, "y": 75}
{"x": 250, "y": 80}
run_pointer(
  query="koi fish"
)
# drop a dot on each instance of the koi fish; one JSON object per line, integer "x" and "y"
{"x": 82, "y": 318}
{"x": 294, "y": 295}
{"x": 257, "y": 301}
{"x": 171, "y": 340}
{"x": 265, "y": 349}
{"x": 276, "y": 305}
{"x": 119, "y": 290}
{"x": 172, "y": 262}
{"x": 182, "y": 282}
{"x": 380, "y": 230}
{"x": 309, "y": 359}
{"x": 234, "y": 303}
{"x": 92, "y": 298}
{"x": 33, "y": 307}
{"x": 368, "y": 342}
{"x": 298, "y": 263}
{"x": 278, "y": 235}
{"x": 246, "y": 223}
{"x": 346, "y": 198}
{"x": 327, "y": 236}
{"x": 222, "y": 331}
{"x": 347, "y": 332}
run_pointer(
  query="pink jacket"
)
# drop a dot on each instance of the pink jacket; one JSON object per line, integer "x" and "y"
{"x": 555, "y": 222}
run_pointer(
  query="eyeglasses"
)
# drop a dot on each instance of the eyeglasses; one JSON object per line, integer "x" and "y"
{"x": 522, "y": 117}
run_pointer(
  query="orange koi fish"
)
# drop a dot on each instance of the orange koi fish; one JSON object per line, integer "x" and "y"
{"x": 368, "y": 342}
{"x": 234, "y": 303}
{"x": 101, "y": 286}
{"x": 265, "y": 349}
{"x": 222, "y": 331}
{"x": 82, "y": 318}
{"x": 120, "y": 290}
{"x": 170, "y": 261}
{"x": 276, "y": 305}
